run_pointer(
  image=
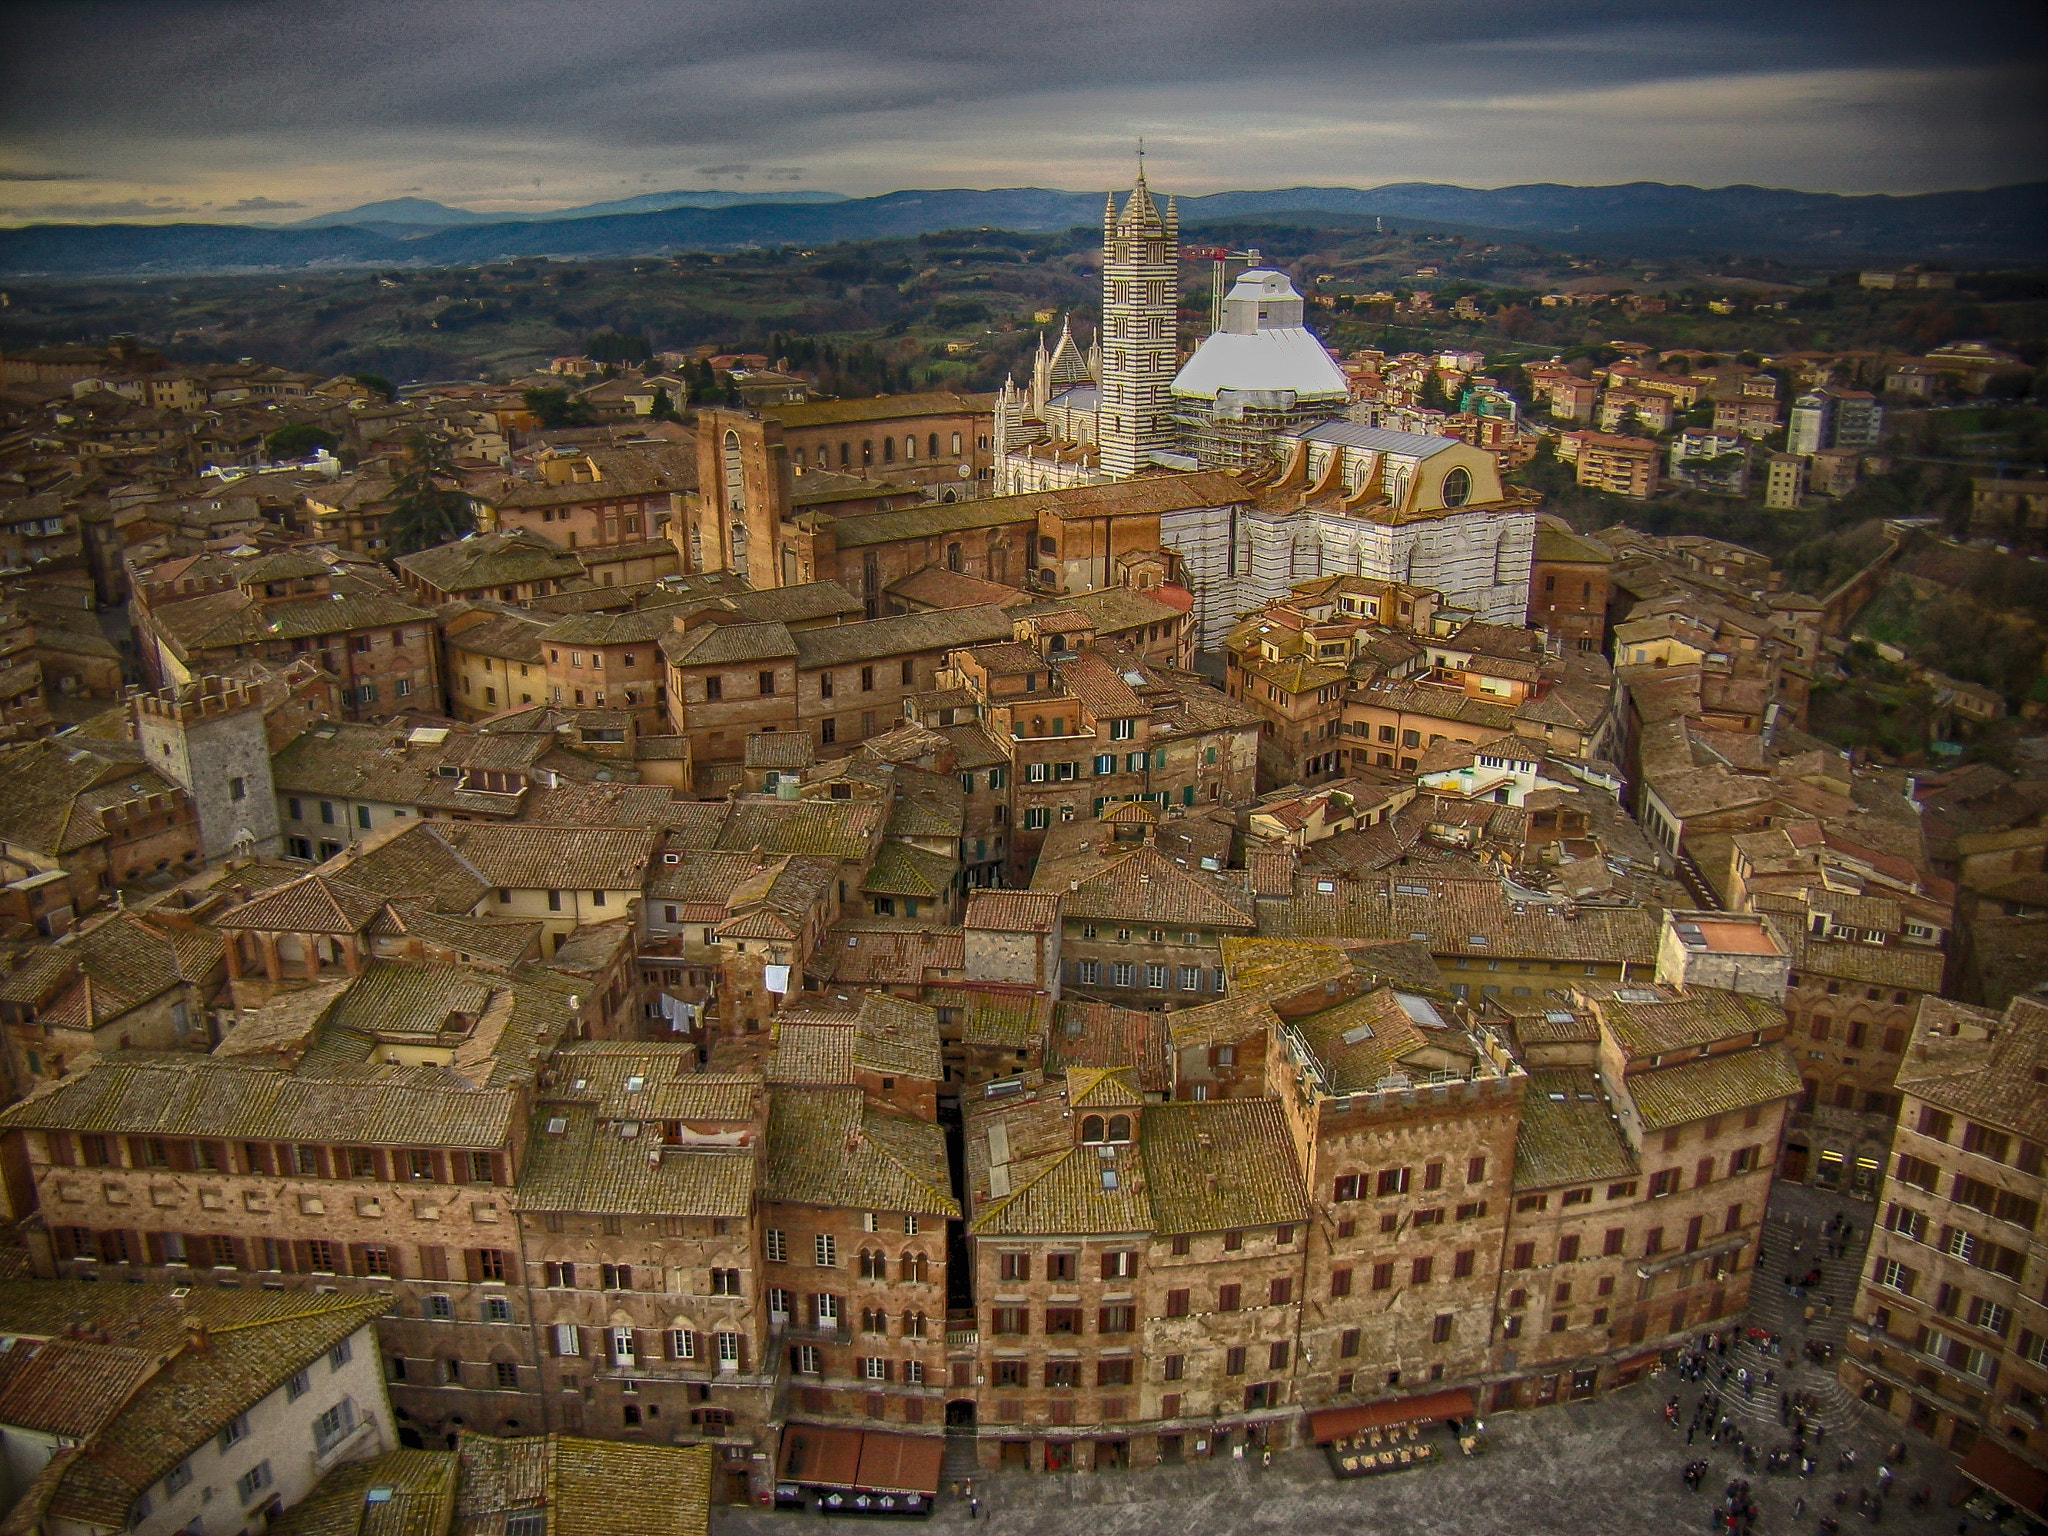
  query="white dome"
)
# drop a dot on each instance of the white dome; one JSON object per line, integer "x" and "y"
{"x": 1288, "y": 359}
{"x": 1262, "y": 347}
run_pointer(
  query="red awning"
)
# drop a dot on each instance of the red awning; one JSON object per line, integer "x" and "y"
{"x": 868, "y": 1461}
{"x": 2017, "y": 1482}
{"x": 823, "y": 1458}
{"x": 900, "y": 1463}
{"x": 1335, "y": 1423}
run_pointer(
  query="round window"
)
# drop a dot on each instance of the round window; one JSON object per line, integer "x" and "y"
{"x": 1457, "y": 487}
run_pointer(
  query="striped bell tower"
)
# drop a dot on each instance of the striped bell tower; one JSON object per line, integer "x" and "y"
{"x": 1139, "y": 346}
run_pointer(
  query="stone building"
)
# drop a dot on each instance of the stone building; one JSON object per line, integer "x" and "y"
{"x": 1949, "y": 1334}
{"x": 1127, "y": 1278}
{"x": 208, "y": 735}
{"x": 143, "y": 1408}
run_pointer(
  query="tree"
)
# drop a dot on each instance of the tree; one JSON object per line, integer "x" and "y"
{"x": 300, "y": 440}
{"x": 378, "y": 382}
{"x": 664, "y": 409}
{"x": 553, "y": 408}
{"x": 426, "y": 511}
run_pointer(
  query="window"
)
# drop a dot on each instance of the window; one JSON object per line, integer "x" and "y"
{"x": 1419, "y": 1270}
{"x": 1440, "y": 1331}
{"x": 777, "y": 1244}
{"x": 300, "y": 1384}
{"x": 1062, "y": 1320}
{"x": 235, "y": 1429}
{"x": 1340, "y": 1283}
{"x": 1009, "y": 1320}
{"x": 253, "y": 1482}
{"x": 825, "y": 1251}
{"x": 1383, "y": 1275}
{"x": 1177, "y": 1303}
{"x": 1393, "y": 1181}
{"x": 1229, "y": 1298}
{"x": 1664, "y": 1183}
{"x": 333, "y": 1426}
{"x": 1895, "y": 1276}
{"x": 1233, "y": 1361}
{"x": 497, "y": 1309}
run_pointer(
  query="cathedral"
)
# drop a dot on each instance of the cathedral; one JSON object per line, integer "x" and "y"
{"x": 1305, "y": 492}
{"x": 1128, "y": 404}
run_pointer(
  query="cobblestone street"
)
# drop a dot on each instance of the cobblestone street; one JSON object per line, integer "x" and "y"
{"x": 1607, "y": 1467}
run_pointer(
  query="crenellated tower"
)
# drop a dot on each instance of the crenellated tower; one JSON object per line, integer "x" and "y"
{"x": 1138, "y": 343}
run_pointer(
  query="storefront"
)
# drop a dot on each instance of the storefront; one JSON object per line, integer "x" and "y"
{"x": 2012, "y": 1481}
{"x": 1395, "y": 1435}
{"x": 859, "y": 1472}
{"x": 1330, "y": 1424}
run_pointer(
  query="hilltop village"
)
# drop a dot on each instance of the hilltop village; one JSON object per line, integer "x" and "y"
{"x": 839, "y": 944}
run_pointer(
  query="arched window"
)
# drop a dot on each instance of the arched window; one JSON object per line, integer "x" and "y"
{"x": 953, "y": 557}
{"x": 735, "y": 483}
{"x": 796, "y": 457}
{"x": 1119, "y": 1127}
{"x": 874, "y": 1264}
{"x": 1091, "y": 1128}
{"x": 910, "y": 446}
{"x": 845, "y": 455}
{"x": 933, "y": 446}
{"x": 888, "y": 450}
{"x": 1458, "y": 487}
{"x": 867, "y": 451}
{"x": 917, "y": 1269}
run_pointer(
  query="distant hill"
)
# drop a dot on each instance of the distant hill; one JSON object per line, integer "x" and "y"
{"x": 2003, "y": 224}
{"x": 419, "y": 212}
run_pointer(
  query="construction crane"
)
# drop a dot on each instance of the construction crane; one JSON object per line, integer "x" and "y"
{"x": 1221, "y": 257}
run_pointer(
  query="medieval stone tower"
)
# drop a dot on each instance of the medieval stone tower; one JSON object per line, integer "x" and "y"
{"x": 208, "y": 736}
{"x": 1139, "y": 347}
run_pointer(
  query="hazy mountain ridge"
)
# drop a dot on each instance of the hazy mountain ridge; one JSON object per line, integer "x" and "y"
{"x": 2001, "y": 224}
{"x": 422, "y": 212}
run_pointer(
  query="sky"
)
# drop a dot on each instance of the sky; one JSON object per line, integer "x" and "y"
{"x": 276, "y": 110}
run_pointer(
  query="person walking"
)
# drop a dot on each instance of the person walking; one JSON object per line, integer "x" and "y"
{"x": 974, "y": 1507}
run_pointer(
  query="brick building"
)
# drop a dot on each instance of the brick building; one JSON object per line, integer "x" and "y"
{"x": 1949, "y": 1334}
{"x": 1568, "y": 589}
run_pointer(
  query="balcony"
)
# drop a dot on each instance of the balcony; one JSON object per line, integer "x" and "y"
{"x": 810, "y": 1333}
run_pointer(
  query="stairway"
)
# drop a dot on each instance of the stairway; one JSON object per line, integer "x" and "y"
{"x": 959, "y": 1465}
{"x": 1771, "y": 1308}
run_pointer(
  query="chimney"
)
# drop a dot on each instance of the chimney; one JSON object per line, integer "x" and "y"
{"x": 197, "y": 1340}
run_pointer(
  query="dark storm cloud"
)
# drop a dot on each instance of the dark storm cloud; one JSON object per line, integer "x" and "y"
{"x": 477, "y": 98}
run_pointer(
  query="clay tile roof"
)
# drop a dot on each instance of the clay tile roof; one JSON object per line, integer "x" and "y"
{"x": 207, "y": 1097}
{"x": 1102, "y": 1088}
{"x": 524, "y": 856}
{"x": 1104, "y": 1035}
{"x": 1568, "y": 1133}
{"x": 589, "y": 1165}
{"x": 812, "y": 1055}
{"x": 897, "y": 1037}
{"x": 1673, "y": 1096}
{"x": 1145, "y": 884}
{"x": 316, "y": 904}
{"x": 1991, "y": 1079}
{"x": 417, "y": 1498}
{"x": 1216, "y": 1166}
{"x": 826, "y": 1148}
{"x": 1013, "y": 911}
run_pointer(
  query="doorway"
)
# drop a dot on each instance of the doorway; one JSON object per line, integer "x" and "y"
{"x": 960, "y": 1412}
